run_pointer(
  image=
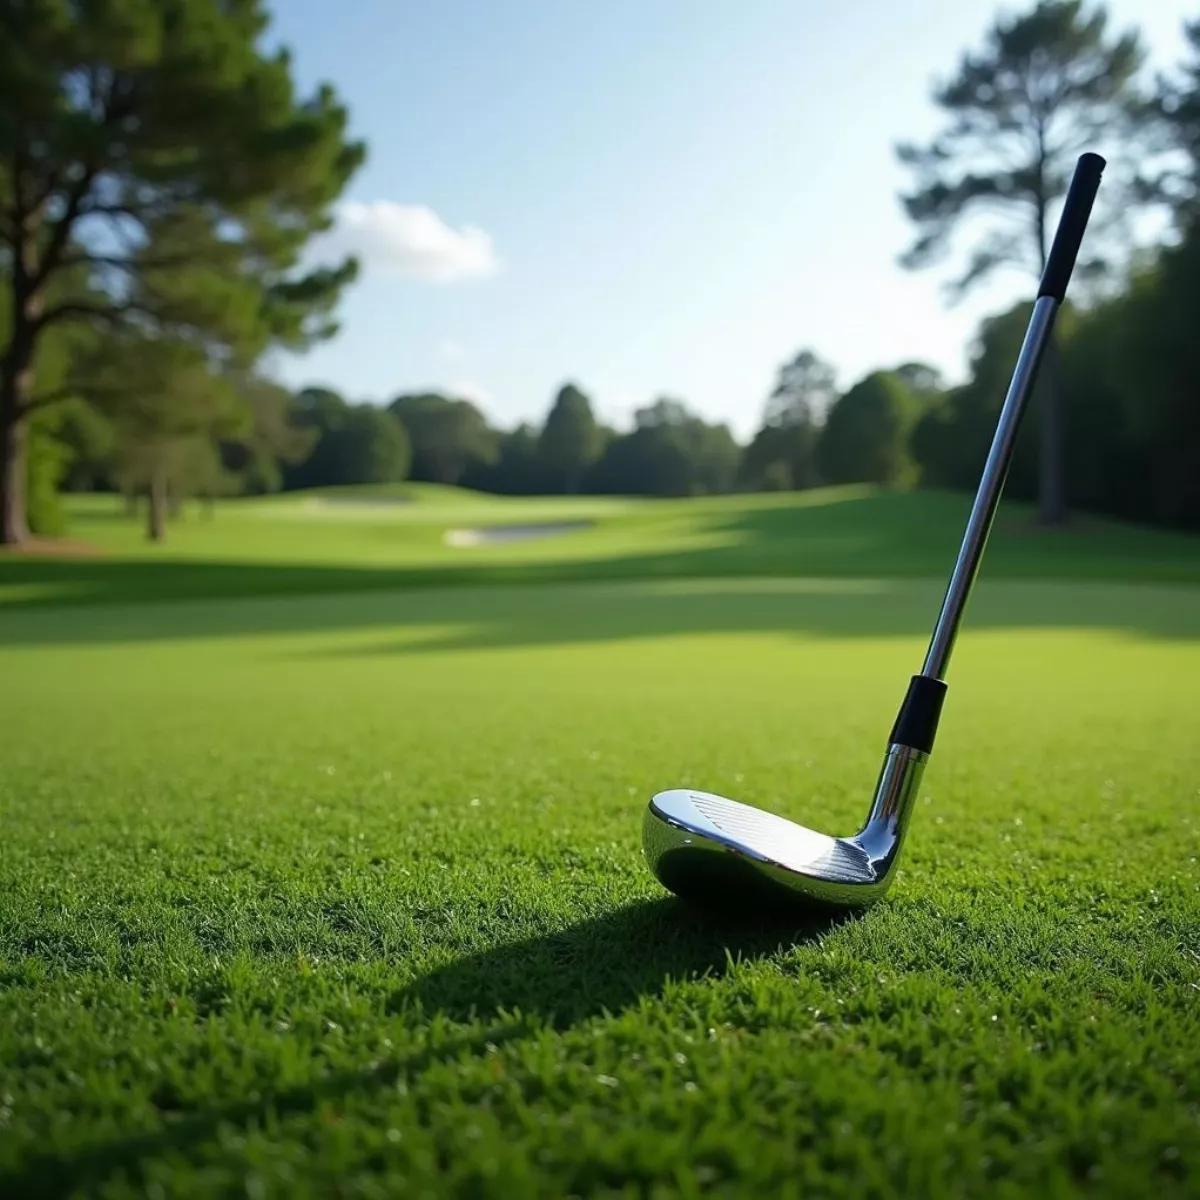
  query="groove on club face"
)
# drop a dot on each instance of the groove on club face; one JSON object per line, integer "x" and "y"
{"x": 710, "y": 850}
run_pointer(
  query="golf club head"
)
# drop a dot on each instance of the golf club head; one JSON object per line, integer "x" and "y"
{"x": 719, "y": 853}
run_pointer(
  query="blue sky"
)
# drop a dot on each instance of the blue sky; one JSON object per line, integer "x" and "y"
{"x": 665, "y": 197}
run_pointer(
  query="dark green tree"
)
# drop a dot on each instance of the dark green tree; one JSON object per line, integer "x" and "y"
{"x": 50, "y": 459}
{"x": 351, "y": 443}
{"x": 570, "y": 440}
{"x": 447, "y": 435}
{"x": 669, "y": 452}
{"x": 865, "y": 436}
{"x": 950, "y": 440}
{"x": 783, "y": 454}
{"x": 87, "y": 435}
{"x": 647, "y": 461}
{"x": 273, "y": 439}
{"x": 371, "y": 447}
{"x": 1134, "y": 378}
{"x": 126, "y": 126}
{"x": 320, "y": 413}
{"x": 715, "y": 455}
{"x": 1047, "y": 85}
{"x": 1177, "y": 108}
{"x": 518, "y": 468}
{"x": 166, "y": 405}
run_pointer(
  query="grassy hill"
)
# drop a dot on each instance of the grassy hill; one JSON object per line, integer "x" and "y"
{"x": 349, "y": 540}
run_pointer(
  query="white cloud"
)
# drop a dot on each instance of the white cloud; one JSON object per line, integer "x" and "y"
{"x": 410, "y": 240}
{"x": 449, "y": 349}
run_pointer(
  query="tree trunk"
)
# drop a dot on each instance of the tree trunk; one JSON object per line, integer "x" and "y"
{"x": 16, "y": 384}
{"x": 158, "y": 506}
{"x": 14, "y": 437}
{"x": 1052, "y": 490}
{"x": 16, "y": 390}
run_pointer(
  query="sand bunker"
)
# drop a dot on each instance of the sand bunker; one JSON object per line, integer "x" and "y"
{"x": 492, "y": 535}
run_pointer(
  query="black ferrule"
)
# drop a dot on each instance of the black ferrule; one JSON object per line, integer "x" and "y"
{"x": 1069, "y": 235}
{"x": 917, "y": 721}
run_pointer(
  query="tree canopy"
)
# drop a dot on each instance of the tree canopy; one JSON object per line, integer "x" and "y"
{"x": 160, "y": 178}
{"x": 1047, "y": 84}
{"x": 865, "y": 438}
{"x": 448, "y": 435}
{"x": 158, "y": 173}
{"x": 570, "y": 440}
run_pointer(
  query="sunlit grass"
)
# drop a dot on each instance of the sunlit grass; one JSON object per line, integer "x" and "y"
{"x": 341, "y": 892}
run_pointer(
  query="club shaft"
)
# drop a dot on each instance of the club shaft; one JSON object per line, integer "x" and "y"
{"x": 991, "y": 484}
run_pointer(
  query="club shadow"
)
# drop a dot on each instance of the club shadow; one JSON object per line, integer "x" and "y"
{"x": 609, "y": 962}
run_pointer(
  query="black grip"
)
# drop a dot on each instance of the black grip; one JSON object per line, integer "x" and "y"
{"x": 917, "y": 721}
{"x": 1067, "y": 238}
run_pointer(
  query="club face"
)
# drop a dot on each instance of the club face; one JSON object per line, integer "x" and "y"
{"x": 713, "y": 851}
{"x": 719, "y": 853}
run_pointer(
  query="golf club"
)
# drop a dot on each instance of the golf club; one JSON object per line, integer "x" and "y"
{"x": 710, "y": 850}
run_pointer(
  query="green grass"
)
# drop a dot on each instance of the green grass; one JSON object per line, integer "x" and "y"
{"x": 340, "y": 892}
{"x": 286, "y": 544}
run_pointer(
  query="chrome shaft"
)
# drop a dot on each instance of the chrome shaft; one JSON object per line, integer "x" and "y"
{"x": 991, "y": 484}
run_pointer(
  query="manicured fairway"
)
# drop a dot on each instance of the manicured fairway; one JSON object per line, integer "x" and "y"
{"x": 342, "y": 893}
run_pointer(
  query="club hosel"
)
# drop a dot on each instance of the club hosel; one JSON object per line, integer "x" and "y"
{"x": 909, "y": 746}
{"x": 895, "y": 794}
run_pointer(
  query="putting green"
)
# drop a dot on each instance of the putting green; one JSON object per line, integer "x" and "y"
{"x": 342, "y": 893}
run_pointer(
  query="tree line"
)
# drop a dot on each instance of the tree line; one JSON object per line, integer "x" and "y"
{"x": 160, "y": 179}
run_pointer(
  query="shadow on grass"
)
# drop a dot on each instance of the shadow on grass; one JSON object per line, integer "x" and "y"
{"x": 608, "y": 963}
{"x": 807, "y": 609}
{"x": 868, "y": 566}
{"x": 882, "y": 535}
{"x": 596, "y": 967}
{"x": 412, "y": 623}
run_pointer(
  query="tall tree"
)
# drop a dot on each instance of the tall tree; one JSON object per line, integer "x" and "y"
{"x": 865, "y": 437}
{"x": 669, "y": 452}
{"x": 87, "y": 436}
{"x": 371, "y": 447}
{"x": 1136, "y": 373}
{"x": 166, "y": 405}
{"x": 518, "y": 468}
{"x": 804, "y": 389}
{"x": 950, "y": 440}
{"x": 1177, "y": 105}
{"x": 783, "y": 454}
{"x": 125, "y": 123}
{"x": 272, "y": 439}
{"x": 924, "y": 381}
{"x": 351, "y": 443}
{"x": 1047, "y": 84}
{"x": 570, "y": 440}
{"x": 321, "y": 414}
{"x": 447, "y": 435}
